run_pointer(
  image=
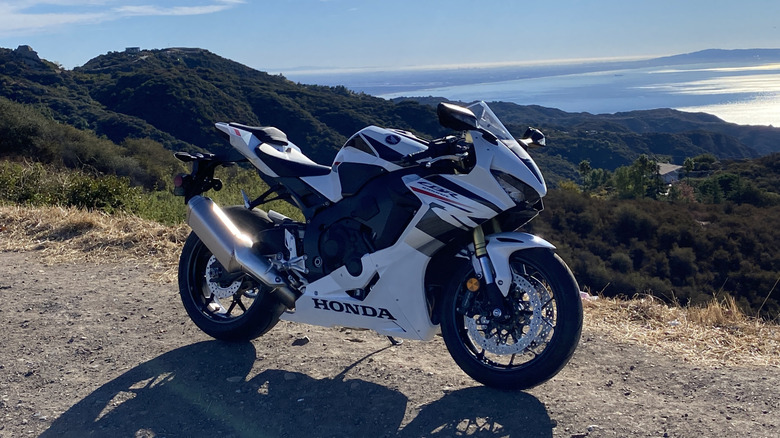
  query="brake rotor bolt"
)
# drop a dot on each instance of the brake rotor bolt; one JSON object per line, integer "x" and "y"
{"x": 496, "y": 313}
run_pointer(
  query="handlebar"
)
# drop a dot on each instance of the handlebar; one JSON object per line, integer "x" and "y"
{"x": 437, "y": 150}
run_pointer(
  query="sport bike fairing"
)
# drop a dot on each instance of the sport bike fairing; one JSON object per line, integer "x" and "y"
{"x": 451, "y": 204}
{"x": 391, "y": 279}
{"x": 372, "y": 151}
{"x": 358, "y": 161}
{"x": 528, "y": 172}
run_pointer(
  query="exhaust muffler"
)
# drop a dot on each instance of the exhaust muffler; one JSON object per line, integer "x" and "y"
{"x": 233, "y": 248}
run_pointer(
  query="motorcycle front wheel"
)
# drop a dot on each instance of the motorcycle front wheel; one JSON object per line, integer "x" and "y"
{"x": 226, "y": 306}
{"x": 529, "y": 343}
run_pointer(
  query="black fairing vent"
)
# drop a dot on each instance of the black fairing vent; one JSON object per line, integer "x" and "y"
{"x": 517, "y": 216}
{"x": 371, "y": 220}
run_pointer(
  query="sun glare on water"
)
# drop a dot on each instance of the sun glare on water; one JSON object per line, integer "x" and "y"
{"x": 763, "y": 110}
{"x": 754, "y": 97}
{"x": 762, "y": 107}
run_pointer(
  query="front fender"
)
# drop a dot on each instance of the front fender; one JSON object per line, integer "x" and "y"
{"x": 502, "y": 245}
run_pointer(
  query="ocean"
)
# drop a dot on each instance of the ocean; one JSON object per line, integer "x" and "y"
{"x": 744, "y": 91}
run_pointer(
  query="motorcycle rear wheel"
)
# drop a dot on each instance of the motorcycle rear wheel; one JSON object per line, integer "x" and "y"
{"x": 235, "y": 309}
{"x": 534, "y": 342}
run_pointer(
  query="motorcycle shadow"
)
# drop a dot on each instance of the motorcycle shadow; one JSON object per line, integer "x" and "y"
{"x": 482, "y": 412}
{"x": 204, "y": 390}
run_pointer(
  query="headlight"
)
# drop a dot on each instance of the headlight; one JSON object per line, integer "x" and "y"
{"x": 519, "y": 191}
{"x": 512, "y": 186}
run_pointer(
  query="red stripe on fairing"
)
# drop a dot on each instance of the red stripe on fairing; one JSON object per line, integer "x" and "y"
{"x": 434, "y": 195}
{"x": 238, "y": 133}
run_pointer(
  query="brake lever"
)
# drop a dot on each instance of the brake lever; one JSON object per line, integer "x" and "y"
{"x": 457, "y": 158}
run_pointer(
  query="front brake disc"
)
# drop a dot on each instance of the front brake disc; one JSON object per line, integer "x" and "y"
{"x": 523, "y": 333}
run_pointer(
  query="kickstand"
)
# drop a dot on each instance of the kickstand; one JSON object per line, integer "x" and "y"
{"x": 395, "y": 341}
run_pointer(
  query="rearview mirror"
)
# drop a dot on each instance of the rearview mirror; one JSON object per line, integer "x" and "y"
{"x": 456, "y": 117}
{"x": 533, "y": 138}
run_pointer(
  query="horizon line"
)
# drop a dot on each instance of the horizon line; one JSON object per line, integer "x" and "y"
{"x": 306, "y": 71}
{"x": 316, "y": 70}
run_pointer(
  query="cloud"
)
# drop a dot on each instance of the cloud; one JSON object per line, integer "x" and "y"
{"x": 148, "y": 10}
{"x": 26, "y": 17}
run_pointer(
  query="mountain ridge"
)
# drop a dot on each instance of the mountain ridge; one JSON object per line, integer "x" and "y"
{"x": 175, "y": 95}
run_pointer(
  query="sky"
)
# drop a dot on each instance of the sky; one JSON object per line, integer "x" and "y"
{"x": 288, "y": 35}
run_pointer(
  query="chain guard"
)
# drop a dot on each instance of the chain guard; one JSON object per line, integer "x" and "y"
{"x": 530, "y": 333}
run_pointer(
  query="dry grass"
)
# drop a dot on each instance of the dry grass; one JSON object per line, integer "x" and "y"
{"x": 716, "y": 335}
{"x": 72, "y": 235}
{"x": 719, "y": 334}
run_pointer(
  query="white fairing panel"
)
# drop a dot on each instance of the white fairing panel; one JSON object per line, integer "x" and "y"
{"x": 249, "y": 146}
{"x": 328, "y": 185}
{"x": 385, "y": 145}
{"x": 524, "y": 169}
{"x": 377, "y": 147}
{"x": 455, "y": 209}
{"x": 395, "y": 305}
{"x": 349, "y": 154}
{"x": 501, "y": 246}
{"x": 245, "y": 143}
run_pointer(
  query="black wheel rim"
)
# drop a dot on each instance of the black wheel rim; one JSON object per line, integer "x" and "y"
{"x": 224, "y": 306}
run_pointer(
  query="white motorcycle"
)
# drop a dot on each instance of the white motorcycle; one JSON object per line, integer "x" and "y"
{"x": 402, "y": 236}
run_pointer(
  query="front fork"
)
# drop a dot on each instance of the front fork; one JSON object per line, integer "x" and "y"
{"x": 485, "y": 281}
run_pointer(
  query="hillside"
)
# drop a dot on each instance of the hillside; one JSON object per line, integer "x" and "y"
{"x": 173, "y": 96}
{"x": 705, "y": 132}
{"x": 661, "y": 132}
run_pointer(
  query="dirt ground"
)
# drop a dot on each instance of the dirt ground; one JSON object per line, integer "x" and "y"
{"x": 106, "y": 350}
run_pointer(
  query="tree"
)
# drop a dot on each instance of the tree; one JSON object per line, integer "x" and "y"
{"x": 689, "y": 165}
{"x": 640, "y": 180}
{"x": 705, "y": 162}
{"x": 585, "y": 168}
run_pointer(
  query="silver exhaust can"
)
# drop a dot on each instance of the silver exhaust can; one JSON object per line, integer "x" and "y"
{"x": 233, "y": 248}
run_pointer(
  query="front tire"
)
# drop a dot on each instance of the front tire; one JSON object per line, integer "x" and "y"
{"x": 534, "y": 342}
{"x": 224, "y": 306}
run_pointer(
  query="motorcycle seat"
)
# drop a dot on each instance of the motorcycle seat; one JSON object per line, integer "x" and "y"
{"x": 266, "y": 134}
{"x": 285, "y": 167}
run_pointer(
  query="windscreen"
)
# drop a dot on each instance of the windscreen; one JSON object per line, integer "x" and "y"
{"x": 488, "y": 121}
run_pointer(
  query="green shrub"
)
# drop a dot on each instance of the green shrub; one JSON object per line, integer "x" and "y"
{"x": 621, "y": 262}
{"x": 107, "y": 193}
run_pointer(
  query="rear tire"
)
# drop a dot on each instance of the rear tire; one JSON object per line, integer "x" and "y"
{"x": 238, "y": 309}
{"x": 535, "y": 342}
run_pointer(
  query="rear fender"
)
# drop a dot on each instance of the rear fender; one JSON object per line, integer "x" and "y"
{"x": 501, "y": 246}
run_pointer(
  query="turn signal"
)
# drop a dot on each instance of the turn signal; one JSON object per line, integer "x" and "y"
{"x": 179, "y": 183}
